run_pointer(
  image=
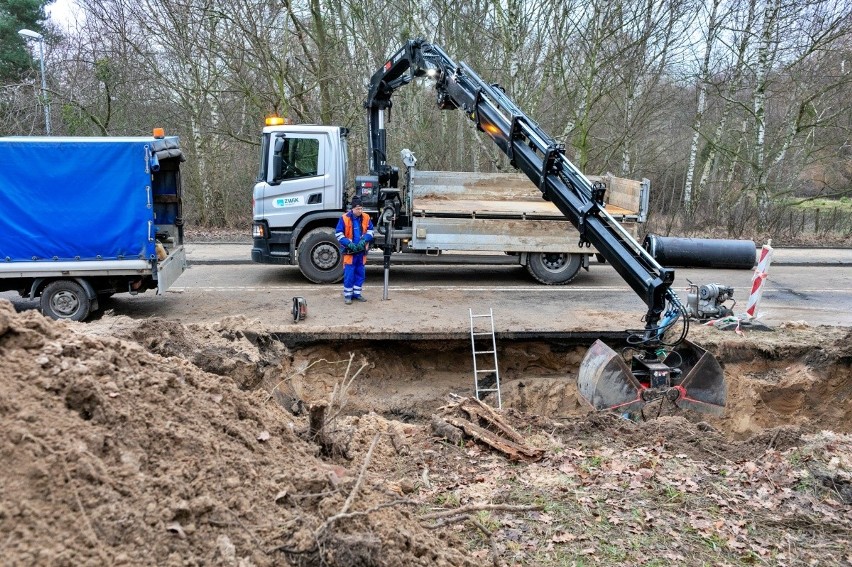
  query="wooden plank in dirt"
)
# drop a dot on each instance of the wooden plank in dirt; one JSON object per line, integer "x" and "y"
{"x": 511, "y": 449}
{"x": 476, "y": 409}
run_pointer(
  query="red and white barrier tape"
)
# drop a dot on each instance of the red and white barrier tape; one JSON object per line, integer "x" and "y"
{"x": 758, "y": 280}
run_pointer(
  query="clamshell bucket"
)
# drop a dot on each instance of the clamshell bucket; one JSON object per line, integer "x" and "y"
{"x": 606, "y": 382}
{"x": 703, "y": 387}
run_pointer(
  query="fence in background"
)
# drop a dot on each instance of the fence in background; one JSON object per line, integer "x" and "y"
{"x": 819, "y": 222}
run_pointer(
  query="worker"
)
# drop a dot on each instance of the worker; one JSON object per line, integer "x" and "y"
{"x": 355, "y": 233}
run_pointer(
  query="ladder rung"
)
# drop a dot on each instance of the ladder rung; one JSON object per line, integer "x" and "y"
{"x": 491, "y": 376}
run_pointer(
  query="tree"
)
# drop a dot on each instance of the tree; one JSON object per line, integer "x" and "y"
{"x": 763, "y": 101}
{"x": 710, "y": 39}
{"x": 15, "y": 58}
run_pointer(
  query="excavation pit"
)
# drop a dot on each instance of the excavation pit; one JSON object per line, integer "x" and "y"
{"x": 795, "y": 375}
{"x": 807, "y": 385}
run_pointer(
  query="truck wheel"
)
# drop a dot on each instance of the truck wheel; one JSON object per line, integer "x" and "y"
{"x": 65, "y": 299}
{"x": 319, "y": 256}
{"x": 553, "y": 268}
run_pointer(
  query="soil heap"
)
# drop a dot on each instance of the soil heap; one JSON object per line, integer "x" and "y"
{"x": 116, "y": 456}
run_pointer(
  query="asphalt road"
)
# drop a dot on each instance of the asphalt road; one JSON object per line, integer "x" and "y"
{"x": 222, "y": 283}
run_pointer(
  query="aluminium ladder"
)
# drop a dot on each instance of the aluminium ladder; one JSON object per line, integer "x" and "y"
{"x": 482, "y": 378}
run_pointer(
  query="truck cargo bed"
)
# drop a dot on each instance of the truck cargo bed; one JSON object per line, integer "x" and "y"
{"x": 504, "y": 212}
{"x": 87, "y": 217}
{"x": 506, "y": 195}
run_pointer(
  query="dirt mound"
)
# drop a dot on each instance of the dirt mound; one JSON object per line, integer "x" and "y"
{"x": 150, "y": 442}
{"x": 235, "y": 347}
{"x": 114, "y": 455}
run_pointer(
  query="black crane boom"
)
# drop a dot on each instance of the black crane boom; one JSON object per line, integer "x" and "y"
{"x": 678, "y": 371}
{"x": 529, "y": 149}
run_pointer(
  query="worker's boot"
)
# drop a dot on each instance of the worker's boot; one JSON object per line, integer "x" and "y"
{"x": 347, "y": 300}
{"x": 360, "y": 298}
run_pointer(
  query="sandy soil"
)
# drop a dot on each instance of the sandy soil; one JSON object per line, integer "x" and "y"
{"x": 148, "y": 442}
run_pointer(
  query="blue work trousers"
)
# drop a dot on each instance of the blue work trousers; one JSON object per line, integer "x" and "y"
{"x": 353, "y": 277}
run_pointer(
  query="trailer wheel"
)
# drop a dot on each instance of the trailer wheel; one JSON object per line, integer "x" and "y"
{"x": 319, "y": 256}
{"x": 553, "y": 268}
{"x": 65, "y": 299}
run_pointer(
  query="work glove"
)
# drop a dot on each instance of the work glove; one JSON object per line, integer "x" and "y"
{"x": 359, "y": 247}
{"x": 352, "y": 248}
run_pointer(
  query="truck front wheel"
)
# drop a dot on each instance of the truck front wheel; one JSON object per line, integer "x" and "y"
{"x": 319, "y": 256}
{"x": 65, "y": 299}
{"x": 553, "y": 268}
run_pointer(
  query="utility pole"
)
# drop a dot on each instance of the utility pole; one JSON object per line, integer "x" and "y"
{"x": 30, "y": 34}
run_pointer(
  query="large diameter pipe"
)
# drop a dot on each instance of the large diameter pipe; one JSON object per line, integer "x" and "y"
{"x": 673, "y": 252}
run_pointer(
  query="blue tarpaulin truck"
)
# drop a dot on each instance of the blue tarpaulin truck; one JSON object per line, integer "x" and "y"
{"x": 84, "y": 218}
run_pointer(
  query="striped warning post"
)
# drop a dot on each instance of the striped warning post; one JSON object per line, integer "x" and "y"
{"x": 759, "y": 279}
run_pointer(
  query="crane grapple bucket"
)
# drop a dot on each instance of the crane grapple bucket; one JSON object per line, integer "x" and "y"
{"x": 606, "y": 382}
{"x": 703, "y": 387}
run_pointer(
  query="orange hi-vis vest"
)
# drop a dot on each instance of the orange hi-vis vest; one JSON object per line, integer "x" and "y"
{"x": 348, "y": 233}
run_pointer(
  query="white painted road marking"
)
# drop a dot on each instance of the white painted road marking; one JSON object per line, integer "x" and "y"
{"x": 537, "y": 289}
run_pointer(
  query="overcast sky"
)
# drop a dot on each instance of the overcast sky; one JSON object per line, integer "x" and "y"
{"x": 62, "y": 12}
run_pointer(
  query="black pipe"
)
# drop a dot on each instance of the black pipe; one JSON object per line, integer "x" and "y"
{"x": 672, "y": 252}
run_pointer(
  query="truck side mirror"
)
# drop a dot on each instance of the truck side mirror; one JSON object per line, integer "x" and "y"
{"x": 277, "y": 160}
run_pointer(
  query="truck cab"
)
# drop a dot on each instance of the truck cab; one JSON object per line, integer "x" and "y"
{"x": 299, "y": 189}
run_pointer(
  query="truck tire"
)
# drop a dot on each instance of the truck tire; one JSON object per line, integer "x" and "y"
{"x": 319, "y": 256}
{"x": 553, "y": 268}
{"x": 65, "y": 299}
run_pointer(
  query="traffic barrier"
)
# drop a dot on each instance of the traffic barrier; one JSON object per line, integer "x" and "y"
{"x": 759, "y": 279}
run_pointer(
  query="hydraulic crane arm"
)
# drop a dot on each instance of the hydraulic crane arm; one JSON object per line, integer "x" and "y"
{"x": 531, "y": 150}
{"x": 414, "y": 59}
{"x": 686, "y": 375}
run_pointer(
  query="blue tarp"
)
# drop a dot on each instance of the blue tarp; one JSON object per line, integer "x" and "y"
{"x": 74, "y": 198}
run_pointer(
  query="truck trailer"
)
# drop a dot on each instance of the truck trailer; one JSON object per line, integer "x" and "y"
{"x": 87, "y": 217}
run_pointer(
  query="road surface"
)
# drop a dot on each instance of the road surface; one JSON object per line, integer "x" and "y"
{"x": 432, "y": 300}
